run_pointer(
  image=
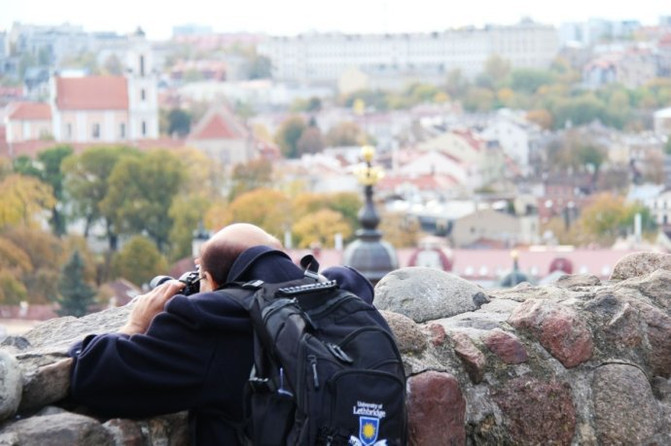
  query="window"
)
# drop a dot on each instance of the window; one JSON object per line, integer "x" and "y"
{"x": 143, "y": 95}
{"x": 96, "y": 131}
{"x": 122, "y": 130}
{"x": 68, "y": 131}
{"x": 144, "y": 128}
{"x": 142, "y": 66}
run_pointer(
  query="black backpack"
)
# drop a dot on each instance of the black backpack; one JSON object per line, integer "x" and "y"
{"x": 326, "y": 371}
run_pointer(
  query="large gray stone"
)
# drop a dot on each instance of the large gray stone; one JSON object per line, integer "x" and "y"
{"x": 58, "y": 430}
{"x": 425, "y": 294}
{"x": 625, "y": 409}
{"x": 11, "y": 385}
{"x": 639, "y": 264}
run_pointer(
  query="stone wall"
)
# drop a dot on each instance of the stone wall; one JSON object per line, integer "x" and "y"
{"x": 575, "y": 362}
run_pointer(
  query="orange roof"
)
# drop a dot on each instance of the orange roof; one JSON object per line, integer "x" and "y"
{"x": 30, "y": 111}
{"x": 92, "y": 93}
{"x": 218, "y": 123}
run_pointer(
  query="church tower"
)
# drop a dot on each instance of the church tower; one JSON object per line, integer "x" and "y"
{"x": 143, "y": 113}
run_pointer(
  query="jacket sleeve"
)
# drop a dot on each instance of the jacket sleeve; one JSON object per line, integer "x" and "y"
{"x": 162, "y": 371}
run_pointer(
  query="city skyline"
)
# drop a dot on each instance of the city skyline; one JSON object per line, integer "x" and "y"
{"x": 298, "y": 16}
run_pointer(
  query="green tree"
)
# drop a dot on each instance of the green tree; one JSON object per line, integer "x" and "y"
{"x": 456, "y": 84}
{"x": 87, "y": 177}
{"x": 260, "y": 67}
{"x": 288, "y": 134}
{"x": 141, "y": 192}
{"x": 579, "y": 111}
{"x": 529, "y": 80}
{"x": 186, "y": 212}
{"x": 179, "y": 122}
{"x": 497, "y": 69}
{"x": 479, "y": 99}
{"x": 76, "y": 294}
{"x": 138, "y": 261}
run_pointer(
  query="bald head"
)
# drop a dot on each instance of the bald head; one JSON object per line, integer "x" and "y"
{"x": 221, "y": 250}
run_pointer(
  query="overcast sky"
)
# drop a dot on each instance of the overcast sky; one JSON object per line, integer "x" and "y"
{"x": 290, "y": 17}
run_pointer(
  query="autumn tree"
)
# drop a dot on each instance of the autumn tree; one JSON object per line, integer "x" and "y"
{"x": 311, "y": 141}
{"x": 47, "y": 168}
{"x": 251, "y": 175}
{"x": 14, "y": 263}
{"x": 266, "y": 208}
{"x": 138, "y": 261}
{"x": 47, "y": 254}
{"x": 76, "y": 294}
{"x": 321, "y": 228}
{"x": 141, "y": 192}
{"x": 344, "y": 134}
{"x": 605, "y": 218}
{"x": 24, "y": 198}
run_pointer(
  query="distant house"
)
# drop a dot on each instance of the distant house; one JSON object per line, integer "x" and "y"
{"x": 660, "y": 207}
{"x": 27, "y": 121}
{"x": 632, "y": 68}
{"x": 495, "y": 226}
{"x": 662, "y": 122}
{"x": 512, "y": 138}
{"x": 223, "y": 137}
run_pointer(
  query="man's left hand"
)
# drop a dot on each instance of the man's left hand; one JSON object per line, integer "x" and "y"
{"x": 146, "y": 306}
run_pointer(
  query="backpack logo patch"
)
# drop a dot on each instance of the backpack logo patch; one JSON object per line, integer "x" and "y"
{"x": 369, "y": 424}
{"x": 368, "y": 429}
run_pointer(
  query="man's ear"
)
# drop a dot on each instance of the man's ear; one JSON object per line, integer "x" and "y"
{"x": 207, "y": 283}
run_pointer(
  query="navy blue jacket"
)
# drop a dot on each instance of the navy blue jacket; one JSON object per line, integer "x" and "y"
{"x": 195, "y": 356}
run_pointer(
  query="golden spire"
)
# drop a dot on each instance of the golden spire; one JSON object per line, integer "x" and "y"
{"x": 368, "y": 175}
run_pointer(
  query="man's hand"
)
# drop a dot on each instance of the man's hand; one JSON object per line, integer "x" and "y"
{"x": 146, "y": 306}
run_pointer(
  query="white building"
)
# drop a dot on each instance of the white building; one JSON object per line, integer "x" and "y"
{"x": 662, "y": 122}
{"x": 324, "y": 57}
{"x": 512, "y": 138}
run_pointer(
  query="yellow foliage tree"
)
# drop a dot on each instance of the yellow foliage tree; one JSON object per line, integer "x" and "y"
{"x": 321, "y": 227}
{"x": 604, "y": 217}
{"x": 23, "y": 199}
{"x": 269, "y": 209}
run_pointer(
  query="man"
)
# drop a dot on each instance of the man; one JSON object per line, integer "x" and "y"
{"x": 194, "y": 352}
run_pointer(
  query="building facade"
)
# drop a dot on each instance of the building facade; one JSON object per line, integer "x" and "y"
{"x": 324, "y": 57}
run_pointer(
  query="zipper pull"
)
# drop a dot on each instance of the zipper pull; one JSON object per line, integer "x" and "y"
{"x": 315, "y": 377}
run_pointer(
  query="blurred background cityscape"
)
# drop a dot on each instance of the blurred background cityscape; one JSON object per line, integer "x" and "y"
{"x": 510, "y": 152}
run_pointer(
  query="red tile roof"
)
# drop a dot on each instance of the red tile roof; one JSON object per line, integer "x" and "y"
{"x": 30, "y": 111}
{"x": 92, "y": 93}
{"x": 218, "y": 123}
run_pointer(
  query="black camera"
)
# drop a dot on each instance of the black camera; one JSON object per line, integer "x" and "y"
{"x": 190, "y": 278}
